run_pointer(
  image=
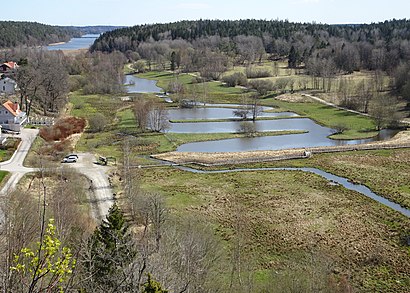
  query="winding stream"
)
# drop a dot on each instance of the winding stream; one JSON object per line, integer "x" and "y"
{"x": 328, "y": 176}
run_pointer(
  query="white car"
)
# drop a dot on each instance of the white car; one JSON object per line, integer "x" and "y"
{"x": 69, "y": 159}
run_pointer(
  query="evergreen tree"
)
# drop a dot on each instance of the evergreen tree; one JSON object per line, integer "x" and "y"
{"x": 152, "y": 286}
{"x": 173, "y": 61}
{"x": 111, "y": 249}
{"x": 292, "y": 58}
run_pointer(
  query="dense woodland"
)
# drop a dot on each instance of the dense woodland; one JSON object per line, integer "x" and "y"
{"x": 210, "y": 46}
{"x": 17, "y": 33}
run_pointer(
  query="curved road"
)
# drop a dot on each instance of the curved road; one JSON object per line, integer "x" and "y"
{"x": 103, "y": 196}
{"x": 15, "y": 164}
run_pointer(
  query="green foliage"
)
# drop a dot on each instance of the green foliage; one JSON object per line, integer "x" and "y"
{"x": 110, "y": 247}
{"x": 97, "y": 122}
{"x": 152, "y": 286}
{"x": 293, "y": 57}
{"x": 46, "y": 267}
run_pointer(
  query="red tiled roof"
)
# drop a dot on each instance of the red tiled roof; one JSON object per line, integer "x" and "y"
{"x": 10, "y": 64}
{"x": 13, "y": 108}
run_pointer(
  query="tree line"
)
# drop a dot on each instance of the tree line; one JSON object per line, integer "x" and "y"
{"x": 23, "y": 33}
{"x": 323, "y": 51}
{"x": 365, "y": 46}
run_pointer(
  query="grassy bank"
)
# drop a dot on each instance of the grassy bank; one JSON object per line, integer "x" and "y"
{"x": 284, "y": 218}
{"x": 386, "y": 172}
{"x": 357, "y": 126}
{"x": 3, "y": 175}
{"x": 210, "y": 92}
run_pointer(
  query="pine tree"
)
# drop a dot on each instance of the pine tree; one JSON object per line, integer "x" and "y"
{"x": 173, "y": 61}
{"x": 111, "y": 248}
{"x": 293, "y": 57}
{"x": 152, "y": 286}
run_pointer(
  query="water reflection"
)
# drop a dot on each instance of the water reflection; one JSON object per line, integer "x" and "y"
{"x": 317, "y": 135}
{"x": 135, "y": 84}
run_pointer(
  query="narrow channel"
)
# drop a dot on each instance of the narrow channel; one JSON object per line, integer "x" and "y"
{"x": 328, "y": 176}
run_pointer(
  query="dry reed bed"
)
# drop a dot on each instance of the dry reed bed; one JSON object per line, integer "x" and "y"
{"x": 401, "y": 140}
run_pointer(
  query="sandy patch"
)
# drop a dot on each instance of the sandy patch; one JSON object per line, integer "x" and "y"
{"x": 294, "y": 98}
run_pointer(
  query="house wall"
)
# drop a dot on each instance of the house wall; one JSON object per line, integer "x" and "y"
{"x": 7, "y": 87}
{"x": 8, "y": 121}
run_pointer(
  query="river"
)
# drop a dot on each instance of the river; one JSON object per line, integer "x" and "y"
{"x": 135, "y": 85}
{"x": 75, "y": 43}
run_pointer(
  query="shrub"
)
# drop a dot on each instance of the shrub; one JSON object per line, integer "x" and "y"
{"x": 235, "y": 79}
{"x": 252, "y": 72}
{"x": 262, "y": 86}
{"x": 63, "y": 128}
{"x": 97, "y": 122}
{"x": 247, "y": 128}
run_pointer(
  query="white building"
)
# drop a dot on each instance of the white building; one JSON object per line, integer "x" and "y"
{"x": 11, "y": 117}
{"x": 7, "y": 86}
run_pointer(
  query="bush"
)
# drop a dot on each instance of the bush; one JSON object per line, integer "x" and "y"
{"x": 340, "y": 127}
{"x": 62, "y": 129}
{"x": 252, "y": 72}
{"x": 10, "y": 144}
{"x": 235, "y": 79}
{"x": 262, "y": 86}
{"x": 247, "y": 128}
{"x": 97, "y": 122}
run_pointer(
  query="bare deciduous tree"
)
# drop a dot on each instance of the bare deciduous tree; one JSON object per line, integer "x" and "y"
{"x": 158, "y": 118}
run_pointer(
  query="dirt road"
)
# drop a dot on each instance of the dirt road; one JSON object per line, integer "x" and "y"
{"x": 103, "y": 197}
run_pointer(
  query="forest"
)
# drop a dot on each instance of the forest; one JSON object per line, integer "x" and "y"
{"x": 18, "y": 33}
{"x": 321, "y": 50}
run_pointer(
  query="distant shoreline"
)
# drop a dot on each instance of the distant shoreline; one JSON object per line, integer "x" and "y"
{"x": 56, "y": 44}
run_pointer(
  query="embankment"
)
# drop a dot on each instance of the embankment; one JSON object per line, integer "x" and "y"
{"x": 401, "y": 140}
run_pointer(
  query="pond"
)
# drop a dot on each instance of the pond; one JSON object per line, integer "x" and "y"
{"x": 316, "y": 135}
{"x": 213, "y": 112}
{"x": 135, "y": 84}
{"x": 75, "y": 43}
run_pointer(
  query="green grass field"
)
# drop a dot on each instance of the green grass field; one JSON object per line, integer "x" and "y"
{"x": 293, "y": 225}
{"x": 357, "y": 126}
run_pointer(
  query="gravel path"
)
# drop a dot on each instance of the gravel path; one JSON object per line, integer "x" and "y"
{"x": 103, "y": 197}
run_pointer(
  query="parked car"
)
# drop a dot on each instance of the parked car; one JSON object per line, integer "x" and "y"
{"x": 71, "y": 159}
{"x": 72, "y": 155}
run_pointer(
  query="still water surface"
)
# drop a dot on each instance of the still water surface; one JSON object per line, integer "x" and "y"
{"x": 75, "y": 43}
{"x": 135, "y": 84}
{"x": 317, "y": 135}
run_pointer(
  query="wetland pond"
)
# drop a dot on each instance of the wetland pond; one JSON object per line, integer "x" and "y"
{"x": 315, "y": 136}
